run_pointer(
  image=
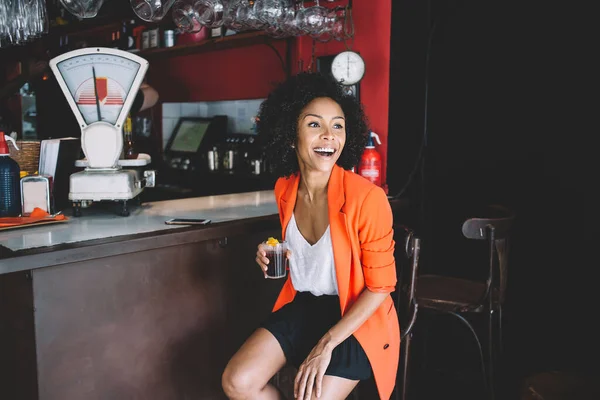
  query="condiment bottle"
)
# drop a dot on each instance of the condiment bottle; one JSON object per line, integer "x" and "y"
{"x": 129, "y": 150}
{"x": 10, "y": 190}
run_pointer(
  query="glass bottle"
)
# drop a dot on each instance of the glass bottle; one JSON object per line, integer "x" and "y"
{"x": 128, "y": 148}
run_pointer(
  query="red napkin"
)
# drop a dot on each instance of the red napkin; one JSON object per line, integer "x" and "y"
{"x": 37, "y": 215}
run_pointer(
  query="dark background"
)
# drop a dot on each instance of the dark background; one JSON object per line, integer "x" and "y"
{"x": 506, "y": 115}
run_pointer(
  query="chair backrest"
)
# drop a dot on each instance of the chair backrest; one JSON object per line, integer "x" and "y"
{"x": 494, "y": 227}
{"x": 411, "y": 248}
{"x": 498, "y": 217}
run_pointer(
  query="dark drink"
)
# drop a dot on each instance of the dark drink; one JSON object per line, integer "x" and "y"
{"x": 278, "y": 261}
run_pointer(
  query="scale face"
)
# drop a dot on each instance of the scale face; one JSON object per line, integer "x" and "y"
{"x": 99, "y": 83}
{"x": 114, "y": 78}
{"x": 100, "y": 86}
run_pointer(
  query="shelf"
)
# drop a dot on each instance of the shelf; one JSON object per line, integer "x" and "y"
{"x": 208, "y": 45}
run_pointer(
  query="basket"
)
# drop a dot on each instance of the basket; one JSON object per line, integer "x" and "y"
{"x": 28, "y": 155}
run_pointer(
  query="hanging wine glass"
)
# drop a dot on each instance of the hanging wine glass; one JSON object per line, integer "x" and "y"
{"x": 151, "y": 10}
{"x": 82, "y": 8}
{"x": 184, "y": 17}
{"x": 209, "y": 12}
{"x": 230, "y": 19}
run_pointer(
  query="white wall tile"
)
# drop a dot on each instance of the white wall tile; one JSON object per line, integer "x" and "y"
{"x": 202, "y": 109}
{"x": 239, "y": 112}
{"x": 189, "y": 110}
{"x": 171, "y": 110}
{"x": 167, "y": 128}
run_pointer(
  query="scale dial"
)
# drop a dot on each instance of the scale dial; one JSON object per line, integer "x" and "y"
{"x": 348, "y": 67}
{"x": 114, "y": 77}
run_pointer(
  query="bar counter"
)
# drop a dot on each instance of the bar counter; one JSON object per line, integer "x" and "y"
{"x": 102, "y": 226}
{"x": 111, "y": 307}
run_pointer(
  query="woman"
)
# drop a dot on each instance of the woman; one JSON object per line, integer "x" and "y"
{"x": 334, "y": 318}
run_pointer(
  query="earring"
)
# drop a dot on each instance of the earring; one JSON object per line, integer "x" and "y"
{"x": 293, "y": 146}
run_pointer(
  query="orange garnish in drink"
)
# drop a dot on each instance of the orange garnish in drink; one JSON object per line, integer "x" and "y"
{"x": 272, "y": 241}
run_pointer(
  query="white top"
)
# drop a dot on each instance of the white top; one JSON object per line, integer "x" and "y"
{"x": 312, "y": 267}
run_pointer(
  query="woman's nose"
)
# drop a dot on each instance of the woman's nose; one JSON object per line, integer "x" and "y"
{"x": 327, "y": 133}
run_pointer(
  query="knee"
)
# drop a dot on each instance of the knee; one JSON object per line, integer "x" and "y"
{"x": 237, "y": 383}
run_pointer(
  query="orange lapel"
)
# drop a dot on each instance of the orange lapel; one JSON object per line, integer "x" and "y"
{"x": 288, "y": 202}
{"x": 340, "y": 239}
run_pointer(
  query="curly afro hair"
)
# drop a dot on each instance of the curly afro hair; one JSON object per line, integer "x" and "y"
{"x": 277, "y": 123}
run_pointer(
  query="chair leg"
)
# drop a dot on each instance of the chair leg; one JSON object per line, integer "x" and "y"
{"x": 501, "y": 370}
{"x": 423, "y": 338}
{"x": 490, "y": 366}
{"x": 481, "y": 357}
{"x": 405, "y": 373}
{"x": 500, "y": 343}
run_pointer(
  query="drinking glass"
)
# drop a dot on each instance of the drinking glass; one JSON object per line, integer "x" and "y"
{"x": 82, "y": 8}
{"x": 210, "y": 12}
{"x": 21, "y": 21}
{"x": 278, "y": 261}
{"x": 246, "y": 15}
{"x": 185, "y": 17}
{"x": 315, "y": 20}
{"x": 151, "y": 10}
{"x": 230, "y": 19}
{"x": 288, "y": 20}
{"x": 269, "y": 11}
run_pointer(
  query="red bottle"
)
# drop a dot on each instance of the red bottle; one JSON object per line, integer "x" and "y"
{"x": 370, "y": 163}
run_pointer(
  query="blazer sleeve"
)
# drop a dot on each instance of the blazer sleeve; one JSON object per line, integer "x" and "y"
{"x": 376, "y": 235}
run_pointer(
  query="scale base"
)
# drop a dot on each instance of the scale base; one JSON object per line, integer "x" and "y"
{"x": 118, "y": 185}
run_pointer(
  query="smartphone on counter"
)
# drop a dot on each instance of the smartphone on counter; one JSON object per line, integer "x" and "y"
{"x": 187, "y": 221}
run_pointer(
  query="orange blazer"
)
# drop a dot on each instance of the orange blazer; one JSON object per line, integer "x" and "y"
{"x": 360, "y": 222}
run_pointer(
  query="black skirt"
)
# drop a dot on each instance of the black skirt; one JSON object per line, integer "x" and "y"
{"x": 299, "y": 325}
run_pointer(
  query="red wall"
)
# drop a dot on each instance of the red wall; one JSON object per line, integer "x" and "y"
{"x": 247, "y": 73}
{"x": 242, "y": 73}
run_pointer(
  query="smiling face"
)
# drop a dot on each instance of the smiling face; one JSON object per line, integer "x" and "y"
{"x": 321, "y": 135}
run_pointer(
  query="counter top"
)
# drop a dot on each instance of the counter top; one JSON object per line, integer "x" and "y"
{"x": 101, "y": 233}
{"x": 149, "y": 217}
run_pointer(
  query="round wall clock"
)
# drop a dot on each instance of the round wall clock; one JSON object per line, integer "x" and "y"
{"x": 348, "y": 67}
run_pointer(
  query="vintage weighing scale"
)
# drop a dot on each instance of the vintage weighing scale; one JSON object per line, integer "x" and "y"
{"x": 100, "y": 85}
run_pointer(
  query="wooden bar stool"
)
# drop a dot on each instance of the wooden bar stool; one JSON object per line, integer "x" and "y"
{"x": 462, "y": 298}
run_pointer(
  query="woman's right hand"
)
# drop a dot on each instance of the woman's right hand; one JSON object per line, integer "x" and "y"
{"x": 261, "y": 259}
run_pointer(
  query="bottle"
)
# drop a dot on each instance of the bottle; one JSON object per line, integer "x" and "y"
{"x": 370, "y": 162}
{"x": 129, "y": 152}
{"x": 115, "y": 40}
{"x": 127, "y": 36}
{"x": 10, "y": 189}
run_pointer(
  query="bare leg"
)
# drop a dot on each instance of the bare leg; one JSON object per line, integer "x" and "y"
{"x": 250, "y": 369}
{"x": 335, "y": 388}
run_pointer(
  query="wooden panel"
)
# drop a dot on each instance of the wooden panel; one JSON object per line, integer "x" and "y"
{"x": 157, "y": 324}
{"x": 17, "y": 343}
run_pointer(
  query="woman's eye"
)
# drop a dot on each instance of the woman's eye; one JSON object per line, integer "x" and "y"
{"x": 313, "y": 124}
{"x": 338, "y": 126}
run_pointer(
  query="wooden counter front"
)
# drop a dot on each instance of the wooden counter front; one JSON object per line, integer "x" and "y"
{"x": 159, "y": 322}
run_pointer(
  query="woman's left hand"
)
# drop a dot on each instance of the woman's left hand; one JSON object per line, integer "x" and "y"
{"x": 310, "y": 374}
